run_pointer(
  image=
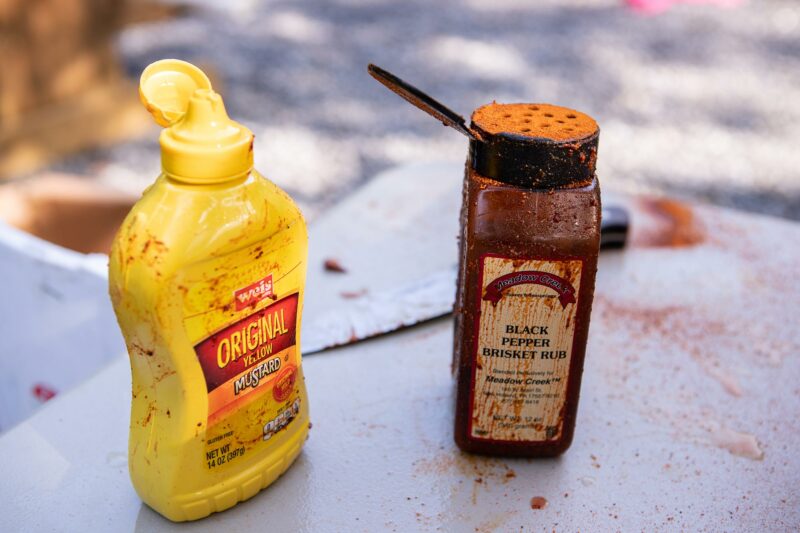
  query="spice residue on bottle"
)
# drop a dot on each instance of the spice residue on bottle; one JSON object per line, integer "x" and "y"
{"x": 544, "y": 121}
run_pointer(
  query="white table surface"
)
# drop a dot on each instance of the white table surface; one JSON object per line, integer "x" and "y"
{"x": 688, "y": 418}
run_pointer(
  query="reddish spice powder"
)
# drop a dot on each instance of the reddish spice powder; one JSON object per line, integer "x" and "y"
{"x": 676, "y": 225}
{"x": 538, "y": 502}
{"x": 333, "y": 265}
{"x": 534, "y": 120}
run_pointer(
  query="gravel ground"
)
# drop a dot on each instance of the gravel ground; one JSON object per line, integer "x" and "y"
{"x": 700, "y": 102}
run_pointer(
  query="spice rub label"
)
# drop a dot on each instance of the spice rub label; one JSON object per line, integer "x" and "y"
{"x": 525, "y": 331}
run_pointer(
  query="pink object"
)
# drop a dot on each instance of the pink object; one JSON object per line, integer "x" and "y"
{"x": 42, "y": 392}
{"x": 656, "y": 7}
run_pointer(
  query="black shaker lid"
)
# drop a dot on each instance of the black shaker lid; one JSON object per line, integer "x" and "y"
{"x": 536, "y": 146}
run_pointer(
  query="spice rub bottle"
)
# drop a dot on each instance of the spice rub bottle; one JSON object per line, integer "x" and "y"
{"x": 530, "y": 237}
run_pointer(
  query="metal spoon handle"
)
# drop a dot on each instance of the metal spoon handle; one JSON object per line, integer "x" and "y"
{"x": 414, "y": 96}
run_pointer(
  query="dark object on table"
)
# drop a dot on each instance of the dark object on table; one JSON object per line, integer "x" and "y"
{"x": 614, "y": 227}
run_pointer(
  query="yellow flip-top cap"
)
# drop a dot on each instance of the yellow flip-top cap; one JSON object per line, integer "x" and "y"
{"x": 166, "y": 86}
{"x": 200, "y": 144}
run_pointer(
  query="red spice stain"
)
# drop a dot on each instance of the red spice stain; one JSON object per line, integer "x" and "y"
{"x": 684, "y": 328}
{"x": 482, "y": 470}
{"x": 675, "y": 225}
{"x": 538, "y": 502}
{"x": 646, "y": 320}
{"x": 43, "y": 392}
{"x": 163, "y": 375}
{"x": 595, "y": 462}
{"x": 140, "y": 350}
{"x": 151, "y": 409}
{"x": 152, "y": 250}
{"x": 352, "y": 295}
{"x": 333, "y": 265}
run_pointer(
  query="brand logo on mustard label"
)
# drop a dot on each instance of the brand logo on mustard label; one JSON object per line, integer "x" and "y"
{"x": 254, "y": 293}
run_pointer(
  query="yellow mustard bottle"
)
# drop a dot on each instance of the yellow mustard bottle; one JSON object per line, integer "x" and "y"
{"x": 206, "y": 276}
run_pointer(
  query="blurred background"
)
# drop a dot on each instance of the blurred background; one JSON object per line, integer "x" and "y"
{"x": 699, "y": 100}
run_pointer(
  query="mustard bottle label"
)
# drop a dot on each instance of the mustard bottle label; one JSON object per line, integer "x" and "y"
{"x": 526, "y": 325}
{"x": 247, "y": 356}
{"x": 247, "y": 349}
